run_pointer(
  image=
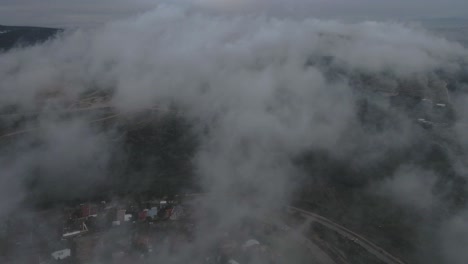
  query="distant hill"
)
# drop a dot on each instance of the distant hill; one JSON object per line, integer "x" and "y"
{"x": 11, "y": 36}
{"x": 445, "y": 22}
{"x": 452, "y": 28}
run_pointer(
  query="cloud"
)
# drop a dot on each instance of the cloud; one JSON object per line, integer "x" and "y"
{"x": 454, "y": 234}
{"x": 412, "y": 187}
{"x": 259, "y": 90}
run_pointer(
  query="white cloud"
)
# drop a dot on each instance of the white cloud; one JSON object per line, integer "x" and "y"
{"x": 243, "y": 78}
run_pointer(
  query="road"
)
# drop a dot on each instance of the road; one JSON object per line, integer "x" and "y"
{"x": 361, "y": 241}
{"x": 370, "y": 247}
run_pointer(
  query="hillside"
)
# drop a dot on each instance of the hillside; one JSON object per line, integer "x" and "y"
{"x": 12, "y": 36}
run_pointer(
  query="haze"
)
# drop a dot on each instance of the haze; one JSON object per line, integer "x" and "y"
{"x": 361, "y": 115}
{"x": 73, "y": 13}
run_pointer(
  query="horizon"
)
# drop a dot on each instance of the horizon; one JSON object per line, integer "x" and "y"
{"x": 72, "y": 14}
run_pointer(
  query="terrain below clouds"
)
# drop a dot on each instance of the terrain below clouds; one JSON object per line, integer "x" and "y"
{"x": 362, "y": 121}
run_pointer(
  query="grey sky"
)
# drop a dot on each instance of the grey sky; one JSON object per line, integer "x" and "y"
{"x": 71, "y": 13}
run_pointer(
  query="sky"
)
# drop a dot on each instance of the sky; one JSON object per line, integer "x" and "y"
{"x": 85, "y": 13}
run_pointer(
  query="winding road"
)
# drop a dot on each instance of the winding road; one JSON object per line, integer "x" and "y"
{"x": 361, "y": 241}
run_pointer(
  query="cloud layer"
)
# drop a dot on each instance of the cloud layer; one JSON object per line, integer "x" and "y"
{"x": 260, "y": 91}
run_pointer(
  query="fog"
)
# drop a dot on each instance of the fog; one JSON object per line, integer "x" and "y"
{"x": 86, "y": 13}
{"x": 259, "y": 92}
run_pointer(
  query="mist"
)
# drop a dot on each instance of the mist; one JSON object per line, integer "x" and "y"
{"x": 259, "y": 92}
{"x": 86, "y": 13}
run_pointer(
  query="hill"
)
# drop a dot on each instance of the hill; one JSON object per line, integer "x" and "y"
{"x": 13, "y": 36}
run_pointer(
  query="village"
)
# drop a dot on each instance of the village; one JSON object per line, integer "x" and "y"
{"x": 124, "y": 231}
